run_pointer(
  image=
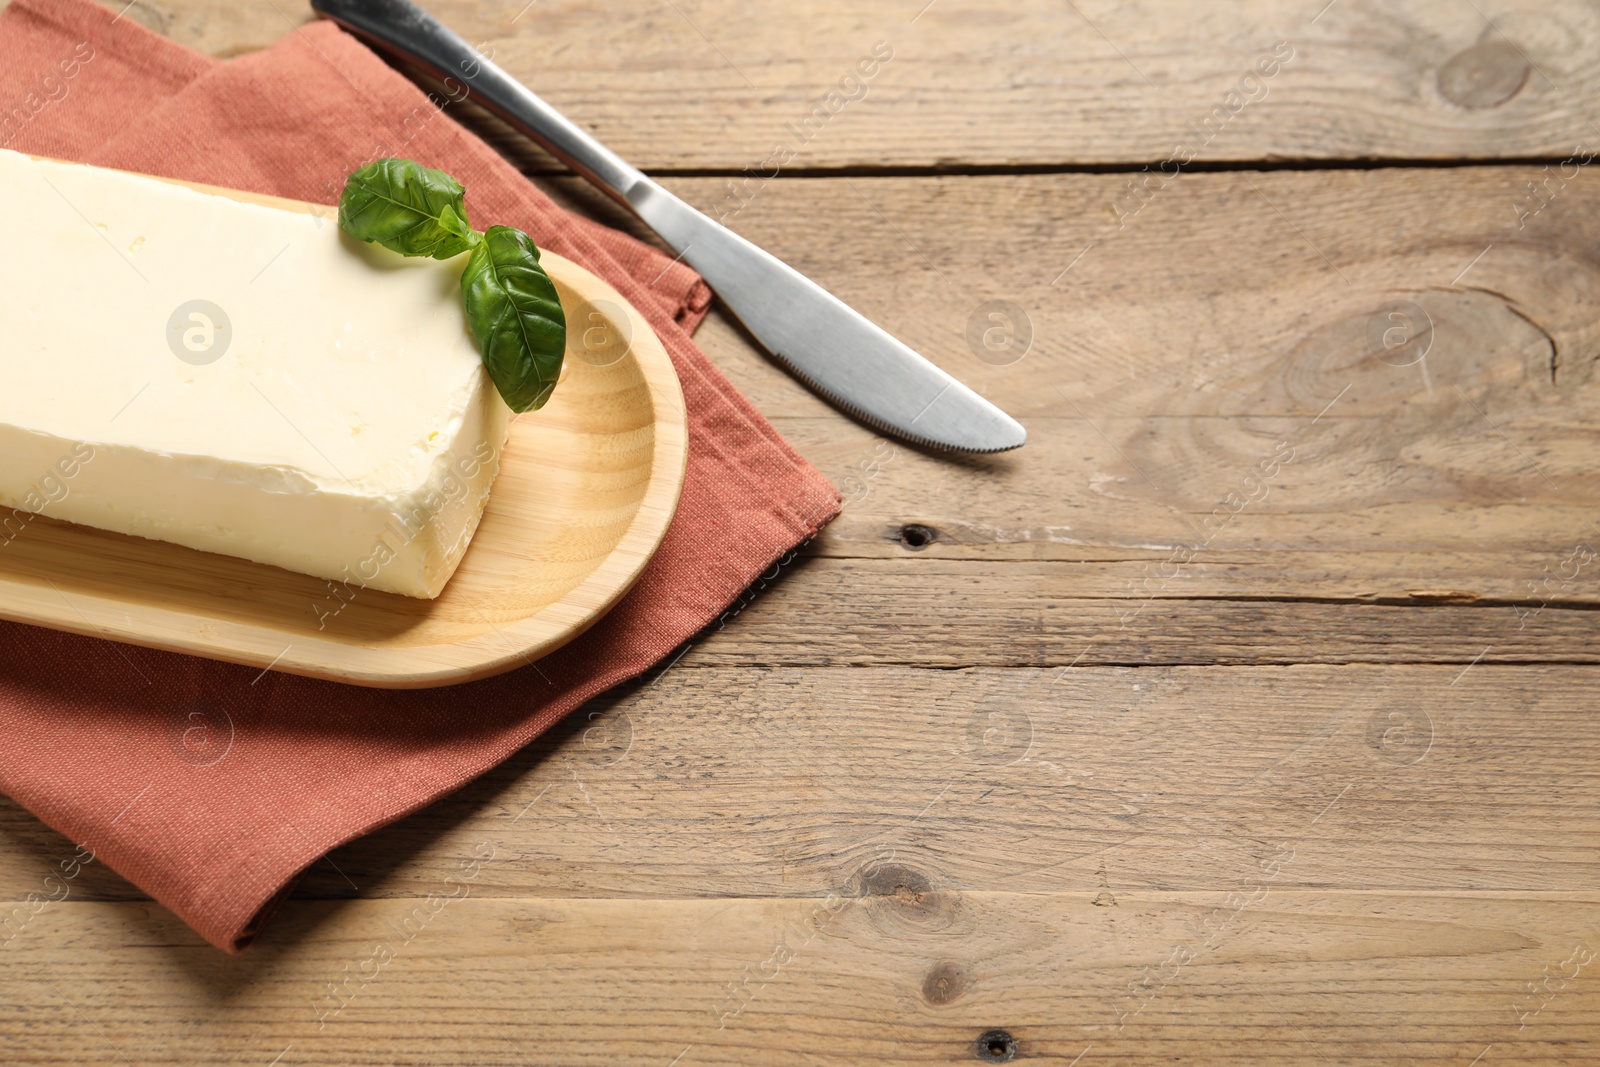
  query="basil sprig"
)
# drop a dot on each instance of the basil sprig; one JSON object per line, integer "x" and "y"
{"x": 512, "y": 306}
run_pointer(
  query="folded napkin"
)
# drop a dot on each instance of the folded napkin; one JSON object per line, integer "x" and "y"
{"x": 87, "y": 727}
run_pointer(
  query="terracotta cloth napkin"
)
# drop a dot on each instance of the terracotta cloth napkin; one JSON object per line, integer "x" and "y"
{"x": 88, "y": 728}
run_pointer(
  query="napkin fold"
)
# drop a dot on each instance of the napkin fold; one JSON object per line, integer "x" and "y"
{"x": 93, "y": 732}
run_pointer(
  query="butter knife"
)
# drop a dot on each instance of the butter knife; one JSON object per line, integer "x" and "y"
{"x": 835, "y": 350}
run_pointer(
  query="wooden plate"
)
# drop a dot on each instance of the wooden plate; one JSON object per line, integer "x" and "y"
{"x": 586, "y": 490}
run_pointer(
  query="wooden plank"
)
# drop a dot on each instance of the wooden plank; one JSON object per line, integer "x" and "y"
{"x": 1241, "y": 298}
{"x": 702, "y": 84}
{"x": 743, "y": 783}
{"x": 937, "y": 614}
{"x": 1253, "y": 974}
{"x": 1039, "y": 780}
{"x": 1212, "y": 407}
{"x": 1307, "y": 533}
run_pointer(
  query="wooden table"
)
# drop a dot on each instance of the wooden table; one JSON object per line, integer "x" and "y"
{"x": 1249, "y": 714}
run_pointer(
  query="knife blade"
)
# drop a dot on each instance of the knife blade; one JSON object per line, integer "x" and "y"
{"x": 841, "y": 355}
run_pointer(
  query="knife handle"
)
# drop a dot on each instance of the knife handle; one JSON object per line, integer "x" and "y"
{"x": 403, "y": 29}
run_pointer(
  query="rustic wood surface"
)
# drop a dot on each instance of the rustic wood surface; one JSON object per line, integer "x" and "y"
{"x": 1248, "y": 714}
{"x": 710, "y": 84}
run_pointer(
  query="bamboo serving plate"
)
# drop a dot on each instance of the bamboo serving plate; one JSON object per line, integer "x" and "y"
{"x": 586, "y": 490}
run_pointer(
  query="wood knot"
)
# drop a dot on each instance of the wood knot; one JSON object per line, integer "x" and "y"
{"x": 1485, "y": 75}
{"x": 945, "y": 982}
{"x": 1382, "y": 387}
{"x": 996, "y": 1046}
{"x": 905, "y": 897}
{"x": 914, "y": 535}
{"x": 906, "y": 887}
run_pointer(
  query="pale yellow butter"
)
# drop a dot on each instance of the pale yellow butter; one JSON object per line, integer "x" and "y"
{"x": 238, "y": 379}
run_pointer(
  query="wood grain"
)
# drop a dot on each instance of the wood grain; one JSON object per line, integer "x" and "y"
{"x": 717, "y": 782}
{"x": 1238, "y": 297}
{"x": 1317, "y": 789}
{"x": 896, "y": 975}
{"x": 1196, "y": 344}
{"x": 1407, "y": 777}
{"x": 1296, "y": 861}
{"x": 710, "y": 84}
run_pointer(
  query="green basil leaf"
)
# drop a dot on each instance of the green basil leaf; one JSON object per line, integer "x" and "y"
{"x": 516, "y": 317}
{"x": 407, "y": 208}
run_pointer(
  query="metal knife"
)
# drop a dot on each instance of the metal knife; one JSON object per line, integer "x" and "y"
{"x": 835, "y": 350}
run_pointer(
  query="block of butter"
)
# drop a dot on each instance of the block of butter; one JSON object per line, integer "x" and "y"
{"x": 237, "y": 378}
